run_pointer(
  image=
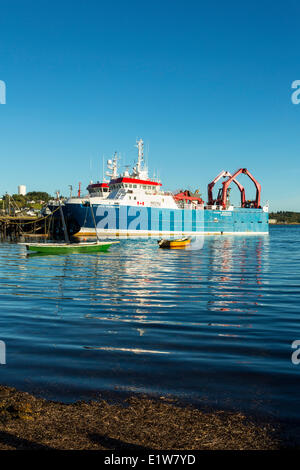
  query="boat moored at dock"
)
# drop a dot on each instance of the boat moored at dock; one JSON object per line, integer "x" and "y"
{"x": 136, "y": 205}
{"x": 65, "y": 248}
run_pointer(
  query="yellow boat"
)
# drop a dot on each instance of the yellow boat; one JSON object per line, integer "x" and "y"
{"x": 178, "y": 243}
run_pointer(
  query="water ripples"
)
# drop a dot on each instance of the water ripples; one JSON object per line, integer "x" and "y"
{"x": 213, "y": 325}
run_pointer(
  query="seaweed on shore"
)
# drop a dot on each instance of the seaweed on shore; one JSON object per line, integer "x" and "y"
{"x": 28, "y": 422}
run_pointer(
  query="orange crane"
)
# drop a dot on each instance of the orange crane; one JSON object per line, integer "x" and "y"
{"x": 218, "y": 201}
{"x": 244, "y": 203}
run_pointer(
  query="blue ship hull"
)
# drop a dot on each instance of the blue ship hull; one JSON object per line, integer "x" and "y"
{"x": 147, "y": 221}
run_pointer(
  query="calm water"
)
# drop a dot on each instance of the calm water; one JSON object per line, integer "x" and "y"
{"x": 213, "y": 326}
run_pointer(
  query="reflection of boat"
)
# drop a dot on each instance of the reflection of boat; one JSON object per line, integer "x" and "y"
{"x": 179, "y": 243}
{"x": 63, "y": 248}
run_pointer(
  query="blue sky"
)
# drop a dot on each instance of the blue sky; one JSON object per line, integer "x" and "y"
{"x": 206, "y": 84}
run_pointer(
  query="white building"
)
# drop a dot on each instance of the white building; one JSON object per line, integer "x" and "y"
{"x": 22, "y": 189}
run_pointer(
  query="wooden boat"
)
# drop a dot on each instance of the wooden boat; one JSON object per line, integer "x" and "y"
{"x": 64, "y": 248}
{"x": 178, "y": 243}
{"x": 67, "y": 247}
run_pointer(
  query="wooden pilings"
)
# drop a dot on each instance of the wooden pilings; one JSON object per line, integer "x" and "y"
{"x": 15, "y": 227}
{"x": 49, "y": 226}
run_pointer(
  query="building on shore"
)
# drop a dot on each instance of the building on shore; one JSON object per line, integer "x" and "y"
{"x": 22, "y": 190}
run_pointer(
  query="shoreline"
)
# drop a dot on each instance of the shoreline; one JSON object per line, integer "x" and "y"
{"x": 138, "y": 424}
{"x": 284, "y": 223}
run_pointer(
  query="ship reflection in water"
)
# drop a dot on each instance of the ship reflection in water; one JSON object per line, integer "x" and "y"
{"x": 212, "y": 325}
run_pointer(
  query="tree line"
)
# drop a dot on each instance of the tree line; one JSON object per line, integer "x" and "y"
{"x": 288, "y": 217}
{"x": 32, "y": 199}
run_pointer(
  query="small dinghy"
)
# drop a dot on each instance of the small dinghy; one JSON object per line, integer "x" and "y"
{"x": 63, "y": 248}
{"x": 178, "y": 243}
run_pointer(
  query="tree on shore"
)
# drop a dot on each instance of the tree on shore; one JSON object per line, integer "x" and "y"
{"x": 288, "y": 217}
{"x": 38, "y": 196}
{"x": 32, "y": 200}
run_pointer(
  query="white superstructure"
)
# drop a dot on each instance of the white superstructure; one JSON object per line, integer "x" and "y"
{"x": 134, "y": 189}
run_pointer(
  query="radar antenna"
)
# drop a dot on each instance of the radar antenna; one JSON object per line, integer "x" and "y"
{"x": 112, "y": 165}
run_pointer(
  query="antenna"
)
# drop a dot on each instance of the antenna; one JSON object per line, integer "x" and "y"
{"x": 140, "y": 146}
{"x": 147, "y": 154}
{"x": 113, "y": 166}
{"x": 126, "y": 172}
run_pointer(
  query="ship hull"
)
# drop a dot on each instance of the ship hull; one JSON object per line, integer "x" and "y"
{"x": 114, "y": 220}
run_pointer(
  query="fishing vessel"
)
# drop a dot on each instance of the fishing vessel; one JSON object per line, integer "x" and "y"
{"x": 137, "y": 205}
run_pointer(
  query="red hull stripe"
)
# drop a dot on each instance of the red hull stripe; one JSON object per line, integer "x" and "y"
{"x": 134, "y": 181}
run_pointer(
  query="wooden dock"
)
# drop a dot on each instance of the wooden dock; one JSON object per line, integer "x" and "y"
{"x": 14, "y": 227}
{"x": 49, "y": 225}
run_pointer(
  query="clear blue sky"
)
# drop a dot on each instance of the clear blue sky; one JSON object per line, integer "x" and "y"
{"x": 206, "y": 84}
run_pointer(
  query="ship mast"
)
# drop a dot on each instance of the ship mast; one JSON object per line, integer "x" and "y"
{"x": 113, "y": 166}
{"x": 140, "y": 171}
{"x": 140, "y": 146}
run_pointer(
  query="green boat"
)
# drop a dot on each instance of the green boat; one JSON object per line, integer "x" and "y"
{"x": 64, "y": 248}
{"x": 67, "y": 247}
